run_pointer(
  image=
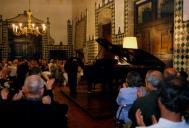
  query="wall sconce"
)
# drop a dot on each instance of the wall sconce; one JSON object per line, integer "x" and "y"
{"x": 130, "y": 42}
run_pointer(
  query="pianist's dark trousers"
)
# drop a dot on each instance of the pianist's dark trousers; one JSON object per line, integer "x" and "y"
{"x": 72, "y": 83}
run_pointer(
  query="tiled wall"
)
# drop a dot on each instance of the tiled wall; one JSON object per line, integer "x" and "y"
{"x": 80, "y": 32}
{"x": 119, "y": 38}
{"x": 4, "y": 46}
{"x": 70, "y": 32}
{"x": 106, "y": 11}
{"x": 48, "y": 48}
{"x": 99, "y": 11}
{"x": 92, "y": 49}
{"x": 104, "y": 14}
{"x": 47, "y": 42}
{"x": 181, "y": 39}
{"x": 128, "y": 22}
{"x": 129, "y": 17}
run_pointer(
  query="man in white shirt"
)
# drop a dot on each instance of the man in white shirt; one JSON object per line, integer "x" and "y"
{"x": 173, "y": 100}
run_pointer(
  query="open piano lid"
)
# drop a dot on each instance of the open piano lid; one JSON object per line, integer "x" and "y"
{"x": 133, "y": 56}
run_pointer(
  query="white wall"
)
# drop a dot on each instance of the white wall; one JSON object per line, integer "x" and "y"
{"x": 80, "y": 6}
{"x": 119, "y": 16}
{"x": 59, "y": 11}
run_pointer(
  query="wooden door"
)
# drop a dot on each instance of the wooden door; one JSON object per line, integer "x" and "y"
{"x": 105, "y": 31}
{"x": 157, "y": 39}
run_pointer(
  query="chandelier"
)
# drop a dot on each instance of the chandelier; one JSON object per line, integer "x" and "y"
{"x": 28, "y": 28}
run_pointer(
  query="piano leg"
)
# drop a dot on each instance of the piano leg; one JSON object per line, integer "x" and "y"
{"x": 89, "y": 87}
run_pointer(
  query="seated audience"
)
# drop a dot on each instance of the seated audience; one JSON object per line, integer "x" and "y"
{"x": 3, "y": 77}
{"x": 173, "y": 101}
{"x": 127, "y": 95}
{"x": 30, "y": 107}
{"x": 148, "y": 104}
{"x": 12, "y": 70}
{"x": 34, "y": 71}
{"x": 22, "y": 70}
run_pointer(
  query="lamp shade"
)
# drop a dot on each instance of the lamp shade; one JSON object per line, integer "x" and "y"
{"x": 130, "y": 42}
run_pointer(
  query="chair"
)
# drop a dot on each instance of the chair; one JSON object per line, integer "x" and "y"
{"x": 120, "y": 123}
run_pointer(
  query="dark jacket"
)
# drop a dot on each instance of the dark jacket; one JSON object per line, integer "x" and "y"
{"x": 34, "y": 114}
{"x": 148, "y": 105}
{"x": 71, "y": 65}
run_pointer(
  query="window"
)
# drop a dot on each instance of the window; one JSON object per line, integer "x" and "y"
{"x": 151, "y": 10}
{"x": 144, "y": 12}
{"x": 165, "y": 8}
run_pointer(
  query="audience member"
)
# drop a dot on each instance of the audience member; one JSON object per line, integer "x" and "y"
{"x": 43, "y": 65}
{"x": 169, "y": 72}
{"x": 2, "y": 77}
{"x": 127, "y": 95}
{"x": 183, "y": 74}
{"x": 35, "y": 71}
{"x": 173, "y": 101}
{"x": 22, "y": 71}
{"x": 58, "y": 75}
{"x": 35, "y": 87}
{"x": 4, "y": 94}
{"x": 12, "y": 70}
{"x": 30, "y": 105}
{"x": 148, "y": 104}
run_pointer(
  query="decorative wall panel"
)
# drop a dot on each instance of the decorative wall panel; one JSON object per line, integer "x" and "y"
{"x": 181, "y": 39}
{"x": 47, "y": 42}
{"x": 129, "y": 18}
{"x": 80, "y": 32}
{"x": 92, "y": 48}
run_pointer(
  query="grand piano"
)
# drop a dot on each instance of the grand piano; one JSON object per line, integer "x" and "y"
{"x": 112, "y": 71}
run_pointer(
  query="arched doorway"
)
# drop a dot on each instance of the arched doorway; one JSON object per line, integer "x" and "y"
{"x": 105, "y": 31}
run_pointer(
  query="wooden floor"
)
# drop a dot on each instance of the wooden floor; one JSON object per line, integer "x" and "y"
{"x": 98, "y": 104}
{"x": 77, "y": 118}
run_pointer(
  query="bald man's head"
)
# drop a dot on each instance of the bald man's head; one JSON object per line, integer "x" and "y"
{"x": 34, "y": 85}
{"x": 153, "y": 78}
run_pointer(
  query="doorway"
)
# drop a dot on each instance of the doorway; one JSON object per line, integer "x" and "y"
{"x": 106, "y": 33}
